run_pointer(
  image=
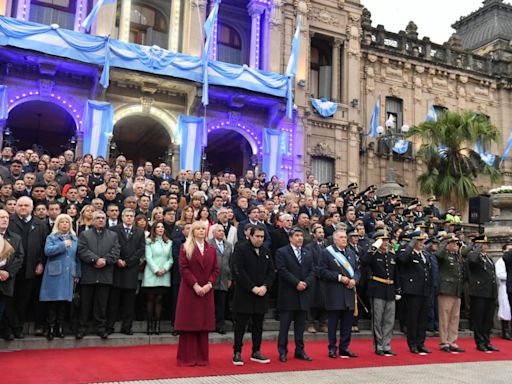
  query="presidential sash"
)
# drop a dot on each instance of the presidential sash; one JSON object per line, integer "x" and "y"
{"x": 341, "y": 260}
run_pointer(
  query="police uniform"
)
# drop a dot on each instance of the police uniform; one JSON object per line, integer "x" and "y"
{"x": 381, "y": 290}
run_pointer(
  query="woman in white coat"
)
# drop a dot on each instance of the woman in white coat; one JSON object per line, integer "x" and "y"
{"x": 504, "y": 306}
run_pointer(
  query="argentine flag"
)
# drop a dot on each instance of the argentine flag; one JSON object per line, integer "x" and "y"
{"x": 87, "y": 23}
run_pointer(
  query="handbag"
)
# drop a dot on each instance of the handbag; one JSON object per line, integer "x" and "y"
{"x": 76, "y": 297}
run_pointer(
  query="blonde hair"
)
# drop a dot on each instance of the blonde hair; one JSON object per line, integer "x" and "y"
{"x": 190, "y": 243}
{"x": 61, "y": 217}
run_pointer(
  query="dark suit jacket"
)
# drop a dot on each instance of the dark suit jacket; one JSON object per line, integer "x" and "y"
{"x": 12, "y": 265}
{"x": 224, "y": 264}
{"x": 290, "y": 273}
{"x": 132, "y": 249}
{"x": 279, "y": 239}
{"x": 240, "y": 233}
{"x": 251, "y": 270}
{"x": 337, "y": 296}
{"x": 415, "y": 274}
{"x": 34, "y": 238}
{"x": 93, "y": 246}
{"x": 318, "y": 296}
{"x": 482, "y": 275}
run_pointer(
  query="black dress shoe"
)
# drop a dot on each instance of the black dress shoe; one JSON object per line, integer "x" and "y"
{"x": 303, "y": 356}
{"x": 221, "y": 331}
{"x": 389, "y": 353}
{"x": 380, "y": 353}
{"x": 482, "y": 348}
{"x": 102, "y": 334}
{"x": 347, "y": 353}
{"x": 175, "y": 333}
{"x": 283, "y": 358}
{"x": 332, "y": 354}
{"x": 457, "y": 349}
{"x": 80, "y": 335}
{"x": 38, "y": 331}
{"x": 128, "y": 332}
{"x": 424, "y": 350}
{"x": 18, "y": 334}
{"x": 414, "y": 350}
{"x": 8, "y": 336}
{"x": 491, "y": 348}
{"x": 445, "y": 348}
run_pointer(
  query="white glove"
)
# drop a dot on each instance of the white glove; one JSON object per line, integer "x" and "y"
{"x": 377, "y": 244}
{"x": 398, "y": 297}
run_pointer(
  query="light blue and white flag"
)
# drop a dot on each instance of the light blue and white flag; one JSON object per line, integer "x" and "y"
{"x": 291, "y": 68}
{"x": 374, "y": 122}
{"x": 209, "y": 29}
{"x": 87, "y": 23}
{"x": 508, "y": 146}
{"x": 431, "y": 115}
{"x": 98, "y": 126}
{"x": 4, "y": 106}
{"x": 487, "y": 158}
{"x": 272, "y": 153}
{"x": 191, "y": 133}
{"x": 401, "y": 146}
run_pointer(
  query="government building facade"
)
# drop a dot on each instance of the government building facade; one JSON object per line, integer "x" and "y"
{"x": 134, "y": 84}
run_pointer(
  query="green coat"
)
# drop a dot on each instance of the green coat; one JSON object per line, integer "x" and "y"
{"x": 451, "y": 272}
{"x": 158, "y": 255}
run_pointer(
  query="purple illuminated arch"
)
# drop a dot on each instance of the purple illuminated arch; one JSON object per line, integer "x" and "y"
{"x": 251, "y": 135}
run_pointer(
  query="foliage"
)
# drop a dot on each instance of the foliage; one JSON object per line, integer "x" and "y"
{"x": 448, "y": 150}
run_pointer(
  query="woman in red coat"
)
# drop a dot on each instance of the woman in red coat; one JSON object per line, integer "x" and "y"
{"x": 195, "y": 310}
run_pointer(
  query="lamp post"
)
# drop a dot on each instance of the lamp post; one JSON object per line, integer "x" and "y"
{"x": 391, "y": 136}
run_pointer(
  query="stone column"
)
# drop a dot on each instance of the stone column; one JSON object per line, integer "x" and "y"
{"x": 124, "y": 20}
{"x": 335, "y": 90}
{"x": 255, "y": 10}
{"x": 80, "y": 14}
{"x": 174, "y": 26}
{"x": 105, "y": 23}
{"x": 79, "y": 149}
{"x": 195, "y": 16}
{"x": 5, "y": 7}
{"x": 175, "y": 164}
{"x": 265, "y": 43}
{"x": 275, "y": 38}
{"x": 23, "y": 10}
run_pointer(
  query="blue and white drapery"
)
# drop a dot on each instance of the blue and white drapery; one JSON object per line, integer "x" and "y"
{"x": 4, "y": 106}
{"x": 98, "y": 126}
{"x": 193, "y": 136}
{"x": 324, "y": 107}
{"x": 401, "y": 146}
{"x": 431, "y": 114}
{"x": 87, "y": 23}
{"x": 508, "y": 147}
{"x": 374, "y": 121}
{"x": 487, "y": 158}
{"x": 291, "y": 68}
{"x": 209, "y": 27}
{"x": 272, "y": 152}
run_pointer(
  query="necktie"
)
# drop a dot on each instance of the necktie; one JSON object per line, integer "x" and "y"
{"x": 221, "y": 247}
{"x": 299, "y": 255}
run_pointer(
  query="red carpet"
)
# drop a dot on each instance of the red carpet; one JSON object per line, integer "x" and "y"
{"x": 148, "y": 362}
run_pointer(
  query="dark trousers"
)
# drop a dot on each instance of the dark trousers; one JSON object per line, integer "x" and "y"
{"x": 192, "y": 349}
{"x": 94, "y": 297}
{"x": 175, "y": 289}
{"x": 401, "y": 312}
{"x": 56, "y": 313}
{"x": 416, "y": 323}
{"x": 121, "y": 305}
{"x": 299, "y": 325}
{"x": 317, "y": 314}
{"x": 220, "y": 308}
{"x": 3, "y": 300}
{"x": 26, "y": 295}
{"x": 345, "y": 319}
{"x": 482, "y": 315}
{"x": 433, "y": 314}
{"x": 241, "y": 320}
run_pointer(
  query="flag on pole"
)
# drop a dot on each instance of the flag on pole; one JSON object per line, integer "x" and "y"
{"x": 431, "y": 115}
{"x": 487, "y": 158}
{"x": 374, "y": 122}
{"x": 508, "y": 146}
{"x": 209, "y": 27}
{"x": 291, "y": 69}
{"x": 87, "y": 23}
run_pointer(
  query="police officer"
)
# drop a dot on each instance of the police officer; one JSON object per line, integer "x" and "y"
{"x": 482, "y": 292}
{"x": 380, "y": 262}
{"x": 416, "y": 284}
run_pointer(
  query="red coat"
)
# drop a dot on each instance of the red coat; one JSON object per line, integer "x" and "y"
{"x": 195, "y": 313}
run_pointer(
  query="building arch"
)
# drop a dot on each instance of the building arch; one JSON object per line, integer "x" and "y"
{"x": 247, "y": 131}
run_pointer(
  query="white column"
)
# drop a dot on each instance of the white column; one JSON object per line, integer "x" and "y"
{"x": 80, "y": 14}
{"x": 255, "y": 10}
{"x": 23, "y": 11}
{"x": 124, "y": 20}
{"x": 5, "y": 7}
{"x": 265, "y": 46}
{"x": 193, "y": 36}
{"x": 335, "y": 91}
{"x": 174, "y": 26}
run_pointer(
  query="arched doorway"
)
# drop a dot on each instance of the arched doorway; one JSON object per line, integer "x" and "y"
{"x": 41, "y": 125}
{"x": 141, "y": 138}
{"x": 229, "y": 151}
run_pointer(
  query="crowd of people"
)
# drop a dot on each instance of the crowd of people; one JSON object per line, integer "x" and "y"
{"x": 86, "y": 240}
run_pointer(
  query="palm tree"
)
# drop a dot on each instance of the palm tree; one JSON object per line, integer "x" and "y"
{"x": 448, "y": 150}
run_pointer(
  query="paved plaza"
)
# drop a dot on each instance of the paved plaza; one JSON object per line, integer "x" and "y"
{"x": 495, "y": 372}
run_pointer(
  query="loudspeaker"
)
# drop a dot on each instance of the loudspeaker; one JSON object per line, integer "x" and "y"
{"x": 479, "y": 209}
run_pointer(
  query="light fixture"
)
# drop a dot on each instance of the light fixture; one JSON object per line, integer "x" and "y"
{"x": 354, "y": 103}
{"x": 405, "y": 128}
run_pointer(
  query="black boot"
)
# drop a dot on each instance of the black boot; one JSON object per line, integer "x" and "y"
{"x": 51, "y": 333}
{"x": 149, "y": 329}
{"x": 505, "y": 334}
{"x": 59, "y": 331}
{"x": 157, "y": 327}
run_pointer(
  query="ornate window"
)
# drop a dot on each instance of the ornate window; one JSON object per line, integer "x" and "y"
{"x": 320, "y": 79}
{"x": 63, "y": 5}
{"x": 148, "y": 26}
{"x": 229, "y": 45}
{"x": 323, "y": 168}
{"x": 61, "y": 12}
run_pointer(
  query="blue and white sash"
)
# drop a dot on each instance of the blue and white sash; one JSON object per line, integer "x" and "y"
{"x": 341, "y": 260}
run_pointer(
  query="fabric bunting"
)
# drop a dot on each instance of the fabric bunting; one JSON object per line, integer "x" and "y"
{"x": 401, "y": 146}
{"x": 487, "y": 158}
{"x": 374, "y": 122}
{"x": 98, "y": 126}
{"x": 431, "y": 115}
{"x": 4, "y": 106}
{"x": 324, "y": 107}
{"x": 209, "y": 27}
{"x": 507, "y": 149}
{"x": 291, "y": 68}
{"x": 191, "y": 131}
{"x": 272, "y": 151}
{"x": 87, "y": 23}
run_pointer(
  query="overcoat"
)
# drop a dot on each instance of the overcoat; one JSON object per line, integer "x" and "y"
{"x": 195, "y": 313}
{"x": 93, "y": 245}
{"x": 61, "y": 268}
{"x": 132, "y": 249}
{"x": 158, "y": 256}
{"x": 12, "y": 265}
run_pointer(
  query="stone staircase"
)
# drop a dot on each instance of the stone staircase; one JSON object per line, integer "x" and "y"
{"x": 270, "y": 333}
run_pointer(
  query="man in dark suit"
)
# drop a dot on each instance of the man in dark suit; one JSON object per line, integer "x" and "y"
{"x": 296, "y": 278}
{"x": 254, "y": 274}
{"x": 416, "y": 278}
{"x": 11, "y": 259}
{"x": 280, "y": 236}
{"x": 253, "y": 214}
{"x": 224, "y": 250}
{"x": 126, "y": 269}
{"x": 338, "y": 269}
{"x": 33, "y": 232}
{"x": 483, "y": 292}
